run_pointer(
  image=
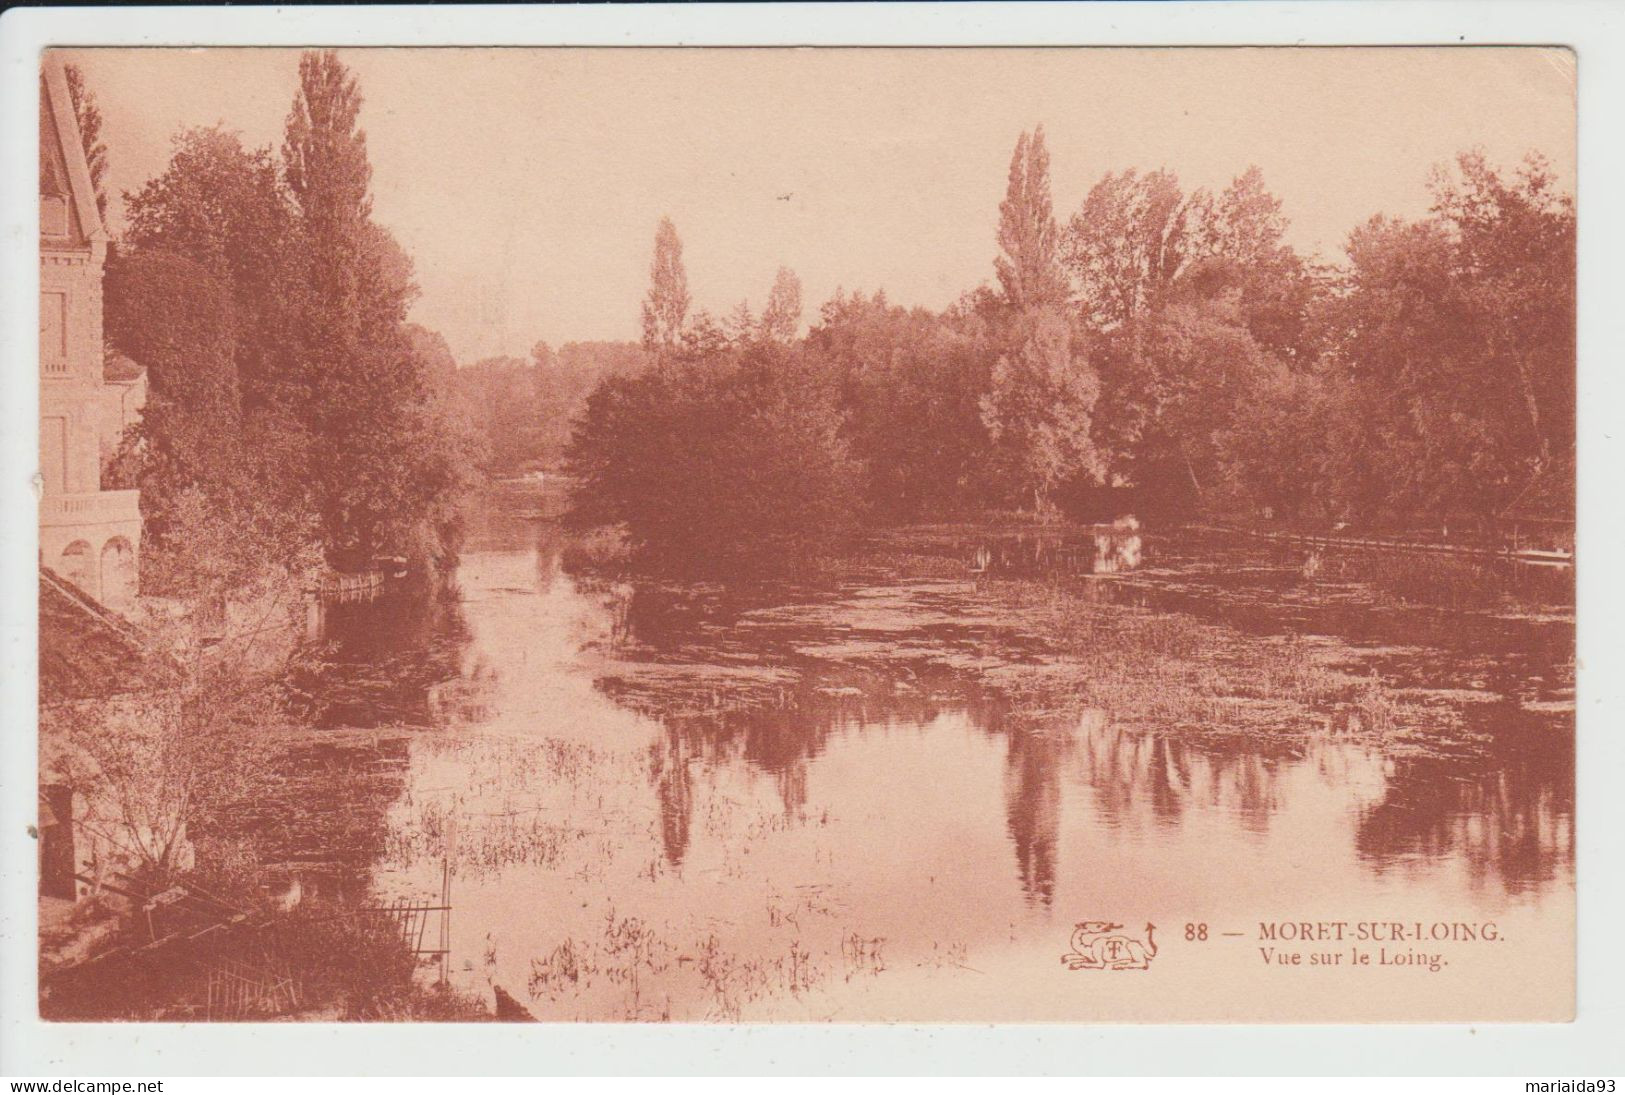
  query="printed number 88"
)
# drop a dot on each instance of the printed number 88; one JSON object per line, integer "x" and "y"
{"x": 1195, "y": 933}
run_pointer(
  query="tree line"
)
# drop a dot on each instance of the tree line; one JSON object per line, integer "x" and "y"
{"x": 524, "y": 409}
{"x": 1163, "y": 351}
{"x": 294, "y": 417}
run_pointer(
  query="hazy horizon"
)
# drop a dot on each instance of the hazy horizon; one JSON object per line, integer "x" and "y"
{"x": 527, "y": 183}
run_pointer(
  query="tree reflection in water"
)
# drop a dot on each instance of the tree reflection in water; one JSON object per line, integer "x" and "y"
{"x": 381, "y": 662}
{"x": 732, "y": 688}
{"x": 771, "y": 678}
{"x": 1032, "y": 807}
{"x": 674, "y": 787}
{"x": 1507, "y": 810}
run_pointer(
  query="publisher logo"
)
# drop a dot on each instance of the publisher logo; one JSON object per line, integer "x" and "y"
{"x": 1102, "y": 945}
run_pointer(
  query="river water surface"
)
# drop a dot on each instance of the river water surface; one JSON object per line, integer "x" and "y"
{"x": 884, "y": 797}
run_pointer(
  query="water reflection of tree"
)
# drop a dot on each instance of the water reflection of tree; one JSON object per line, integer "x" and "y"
{"x": 671, "y": 775}
{"x": 1508, "y": 812}
{"x": 664, "y": 619}
{"x": 733, "y": 687}
{"x": 550, "y": 541}
{"x": 792, "y": 784}
{"x": 1032, "y": 807}
{"x": 674, "y": 790}
{"x": 378, "y": 661}
{"x": 780, "y": 736}
{"x": 1147, "y": 777}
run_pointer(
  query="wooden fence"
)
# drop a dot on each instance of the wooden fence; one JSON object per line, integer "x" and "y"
{"x": 336, "y": 588}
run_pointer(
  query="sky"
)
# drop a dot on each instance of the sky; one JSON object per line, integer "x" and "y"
{"x": 526, "y": 184}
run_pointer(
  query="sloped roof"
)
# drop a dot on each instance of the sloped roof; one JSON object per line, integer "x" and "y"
{"x": 87, "y": 652}
{"x": 59, "y": 109}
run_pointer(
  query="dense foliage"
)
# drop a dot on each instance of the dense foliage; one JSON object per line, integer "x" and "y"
{"x": 727, "y": 459}
{"x": 1159, "y": 350}
{"x": 294, "y": 411}
{"x": 1163, "y": 351}
{"x": 910, "y": 384}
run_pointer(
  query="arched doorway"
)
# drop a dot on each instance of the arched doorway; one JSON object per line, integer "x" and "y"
{"x": 118, "y": 573}
{"x": 79, "y": 566}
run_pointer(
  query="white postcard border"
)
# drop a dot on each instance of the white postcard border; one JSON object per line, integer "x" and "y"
{"x": 1595, "y": 28}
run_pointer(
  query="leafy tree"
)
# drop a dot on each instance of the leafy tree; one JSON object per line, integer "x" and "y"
{"x": 1280, "y": 450}
{"x": 175, "y": 316}
{"x": 1174, "y": 382}
{"x": 1245, "y": 223}
{"x": 1397, "y": 325}
{"x": 182, "y": 760}
{"x": 217, "y": 212}
{"x": 1515, "y": 241}
{"x": 1139, "y": 240}
{"x": 1241, "y": 249}
{"x": 214, "y": 522}
{"x": 224, "y": 207}
{"x": 1456, "y": 337}
{"x": 525, "y": 410}
{"x": 704, "y": 336}
{"x": 323, "y": 153}
{"x": 666, "y": 305}
{"x": 1027, "y": 266}
{"x": 1037, "y": 412}
{"x": 728, "y": 460}
{"x": 910, "y": 384}
{"x": 1132, "y": 237}
{"x": 1190, "y": 302}
{"x": 1437, "y": 377}
{"x": 438, "y": 365}
{"x": 741, "y": 326}
{"x": 501, "y": 398}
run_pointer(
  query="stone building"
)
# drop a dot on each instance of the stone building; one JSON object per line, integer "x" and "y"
{"x": 90, "y": 536}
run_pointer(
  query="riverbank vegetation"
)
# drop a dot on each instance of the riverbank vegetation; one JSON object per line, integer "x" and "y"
{"x": 1160, "y": 351}
{"x": 193, "y": 827}
{"x": 295, "y": 422}
{"x": 320, "y": 962}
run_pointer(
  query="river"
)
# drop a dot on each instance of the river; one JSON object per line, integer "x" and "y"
{"x": 893, "y": 793}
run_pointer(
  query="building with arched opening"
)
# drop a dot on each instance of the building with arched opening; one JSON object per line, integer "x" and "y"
{"x": 90, "y": 536}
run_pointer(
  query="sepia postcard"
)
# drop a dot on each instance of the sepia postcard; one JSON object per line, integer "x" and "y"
{"x": 769, "y": 535}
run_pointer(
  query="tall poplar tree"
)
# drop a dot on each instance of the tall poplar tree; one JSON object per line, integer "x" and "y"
{"x": 666, "y": 305}
{"x": 365, "y": 400}
{"x": 781, "y": 319}
{"x": 1028, "y": 268}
